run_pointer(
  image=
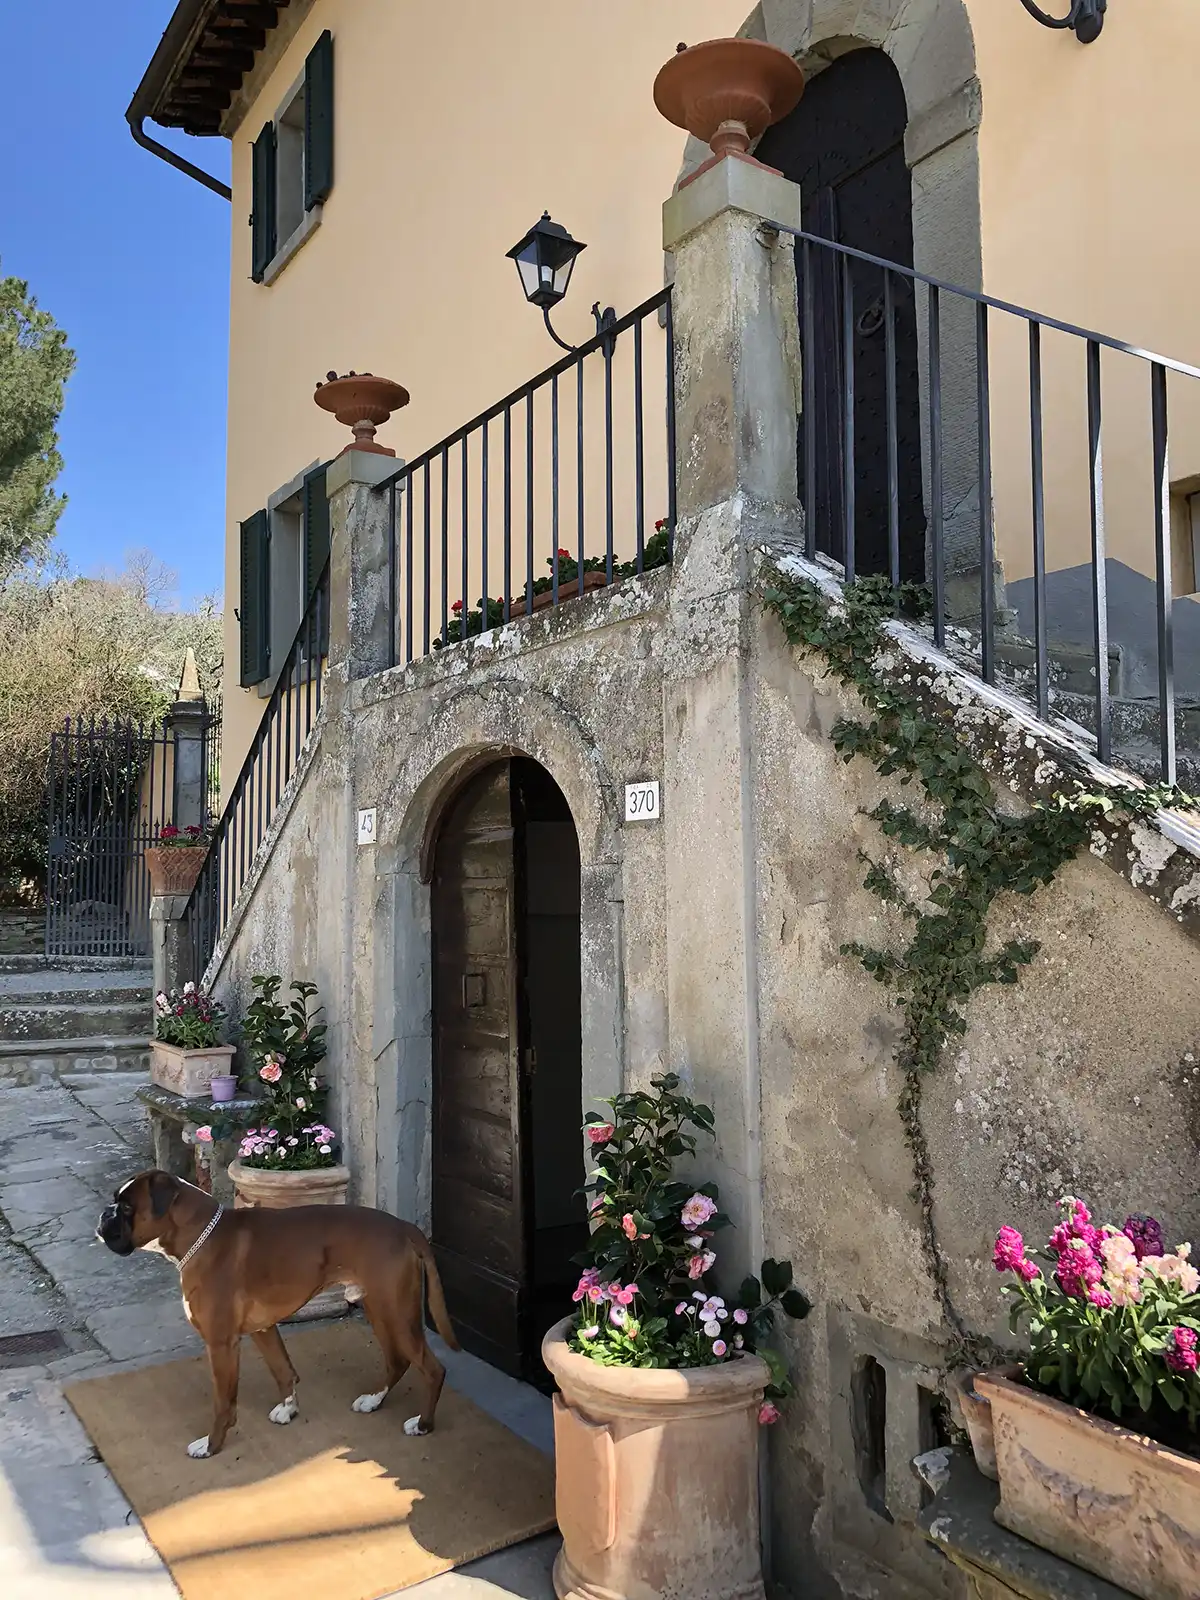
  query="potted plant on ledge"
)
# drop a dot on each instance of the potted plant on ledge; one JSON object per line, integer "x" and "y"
{"x": 664, "y": 1384}
{"x": 186, "y": 1053}
{"x": 175, "y": 859}
{"x": 1097, "y": 1444}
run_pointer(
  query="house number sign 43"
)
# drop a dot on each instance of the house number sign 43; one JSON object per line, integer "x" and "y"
{"x": 642, "y": 802}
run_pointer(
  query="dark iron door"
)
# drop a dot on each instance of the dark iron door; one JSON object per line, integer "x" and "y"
{"x": 479, "y": 1232}
{"x": 844, "y": 146}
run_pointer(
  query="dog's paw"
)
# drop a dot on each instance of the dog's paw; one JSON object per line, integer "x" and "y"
{"x": 284, "y": 1411}
{"x": 369, "y": 1402}
{"x": 415, "y": 1428}
{"x": 198, "y": 1449}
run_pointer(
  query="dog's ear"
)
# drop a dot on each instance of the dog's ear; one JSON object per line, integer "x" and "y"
{"x": 162, "y": 1192}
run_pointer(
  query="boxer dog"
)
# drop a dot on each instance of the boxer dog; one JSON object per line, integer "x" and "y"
{"x": 245, "y": 1271}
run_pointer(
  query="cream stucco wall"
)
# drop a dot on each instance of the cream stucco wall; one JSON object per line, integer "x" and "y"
{"x": 456, "y": 126}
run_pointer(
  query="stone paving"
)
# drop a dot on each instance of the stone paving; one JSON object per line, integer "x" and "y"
{"x": 66, "y": 1531}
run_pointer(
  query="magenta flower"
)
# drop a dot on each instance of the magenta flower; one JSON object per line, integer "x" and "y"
{"x": 1145, "y": 1233}
{"x": 600, "y": 1132}
{"x": 1100, "y": 1298}
{"x": 768, "y": 1413}
{"x": 1078, "y": 1270}
{"x": 624, "y": 1297}
{"x": 1029, "y": 1271}
{"x": 1181, "y": 1355}
{"x": 1076, "y": 1224}
{"x": 1009, "y": 1252}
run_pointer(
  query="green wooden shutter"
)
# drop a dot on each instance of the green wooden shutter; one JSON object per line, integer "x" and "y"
{"x": 318, "y": 122}
{"x": 255, "y": 592}
{"x": 316, "y": 530}
{"x": 262, "y": 215}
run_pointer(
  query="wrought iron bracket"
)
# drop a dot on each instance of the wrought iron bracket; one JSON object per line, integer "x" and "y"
{"x": 1085, "y": 18}
{"x": 604, "y": 321}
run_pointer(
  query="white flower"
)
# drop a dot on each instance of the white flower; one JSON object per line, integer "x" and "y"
{"x": 712, "y": 1329}
{"x": 189, "y": 988}
{"x": 325, "y": 1150}
{"x": 695, "y": 1241}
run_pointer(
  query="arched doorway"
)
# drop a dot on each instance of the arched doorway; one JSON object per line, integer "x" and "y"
{"x": 844, "y": 146}
{"x": 507, "y": 1155}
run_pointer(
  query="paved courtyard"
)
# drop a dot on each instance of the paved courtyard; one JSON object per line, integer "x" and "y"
{"x": 65, "y": 1528}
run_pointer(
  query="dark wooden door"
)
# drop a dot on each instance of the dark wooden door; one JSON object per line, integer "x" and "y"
{"x": 479, "y": 1230}
{"x": 844, "y": 146}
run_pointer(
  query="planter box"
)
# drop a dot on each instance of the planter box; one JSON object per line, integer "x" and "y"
{"x": 656, "y": 1478}
{"x": 976, "y": 1415}
{"x": 174, "y": 869}
{"x": 318, "y": 1186}
{"x": 188, "y": 1072}
{"x": 1111, "y": 1501}
{"x": 568, "y": 589}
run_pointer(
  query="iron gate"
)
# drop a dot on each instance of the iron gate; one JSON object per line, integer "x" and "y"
{"x": 110, "y": 789}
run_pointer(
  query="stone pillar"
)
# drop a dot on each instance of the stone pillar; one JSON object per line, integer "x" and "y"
{"x": 170, "y": 946}
{"x": 361, "y": 609}
{"x": 189, "y": 722}
{"x": 737, "y": 387}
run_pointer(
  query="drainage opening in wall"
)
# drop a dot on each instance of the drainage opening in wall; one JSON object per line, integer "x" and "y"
{"x": 935, "y": 1427}
{"x": 868, "y": 1424}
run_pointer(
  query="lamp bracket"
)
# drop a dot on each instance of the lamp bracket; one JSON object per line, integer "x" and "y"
{"x": 604, "y": 321}
{"x": 1085, "y": 18}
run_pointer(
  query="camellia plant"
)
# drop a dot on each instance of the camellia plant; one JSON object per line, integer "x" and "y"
{"x": 644, "y": 1298}
{"x": 287, "y": 1045}
{"x": 190, "y": 1020}
{"x": 1113, "y": 1319}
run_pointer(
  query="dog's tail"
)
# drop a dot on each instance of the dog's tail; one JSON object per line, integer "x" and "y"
{"x": 436, "y": 1297}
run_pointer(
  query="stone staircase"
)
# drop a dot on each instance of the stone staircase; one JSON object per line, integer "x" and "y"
{"x": 81, "y": 1015}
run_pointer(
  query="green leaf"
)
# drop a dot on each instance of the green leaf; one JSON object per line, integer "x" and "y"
{"x": 796, "y": 1304}
{"x": 749, "y": 1295}
{"x": 776, "y": 1277}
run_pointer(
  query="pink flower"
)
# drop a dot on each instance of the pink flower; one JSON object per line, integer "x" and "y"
{"x": 624, "y": 1297}
{"x": 719, "y": 1347}
{"x": 768, "y": 1413}
{"x": 204, "y": 1135}
{"x": 589, "y": 1333}
{"x": 631, "y": 1328}
{"x": 1029, "y": 1271}
{"x": 600, "y": 1132}
{"x": 589, "y": 1280}
{"x": 681, "y": 1309}
{"x": 741, "y": 1317}
{"x": 1100, "y": 1298}
{"x": 629, "y": 1226}
{"x": 1174, "y": 1269}
{"x": 1078, "y": 1270}
{"x": 1181, "y": 1355}
{"x": 1009, "y": 1251}
{"x": 270, "y": 1072}
{"x": 697, "y": 1211}
{"x": 701, "y": 1264}
{"x": 597, "y": 1294}
{"x": 1076, "y": 1224}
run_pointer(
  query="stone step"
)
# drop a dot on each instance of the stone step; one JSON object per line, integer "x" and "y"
{"x": 36, "y": 963}
{"x": 32, "y": 989}
{"x": 73, "y": 1021}
{"x": 30, "y": 1061}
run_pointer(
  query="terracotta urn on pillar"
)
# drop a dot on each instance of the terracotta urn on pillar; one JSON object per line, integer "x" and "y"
{"x": 363, "y": 402}
{"x": 656, "y": 1478}
{"x": 728, "y": 92}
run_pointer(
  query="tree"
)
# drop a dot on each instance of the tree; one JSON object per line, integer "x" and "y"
{"x": 111, "y": 646}
{"x": 35, "y": 363}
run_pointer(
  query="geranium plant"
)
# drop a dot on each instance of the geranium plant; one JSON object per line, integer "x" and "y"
{"x": 286, "y": 1042}
{"x": 190, "y": 1020}
{"x": 1113, "y": 1319}
{"x": 181, "y": 838}
{"x": 644, "y": 1297}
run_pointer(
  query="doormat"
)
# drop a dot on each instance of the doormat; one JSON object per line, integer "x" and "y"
{"x": 336, "y": 1503}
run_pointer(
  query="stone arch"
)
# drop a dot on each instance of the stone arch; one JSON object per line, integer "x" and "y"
{"x": 473, "y": 726}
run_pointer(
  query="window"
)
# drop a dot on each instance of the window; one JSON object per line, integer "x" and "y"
{"x": 284, "y": 549}
{"x": 292, "y": 167}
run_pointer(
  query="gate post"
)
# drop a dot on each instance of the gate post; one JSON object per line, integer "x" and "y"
{"x": 188, "y": 720}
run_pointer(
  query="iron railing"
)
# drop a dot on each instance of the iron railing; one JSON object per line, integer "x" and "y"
{"x": 110, "y": 789}
{"x": 942, "y": 426}
{"x": 279, "y": 740}
{"x": 558, "y": 472}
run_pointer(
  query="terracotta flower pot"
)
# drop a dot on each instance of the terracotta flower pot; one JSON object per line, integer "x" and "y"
{"x": 363, "y": 402}
{"x": 174, "y": 869}
{"x": 189, "y": 1073}
{"x": 976, "y": 1414}
{"x": 568, "y": 589}
{"x": 728, "y": 92}
{"x": 656, "y": 1478}
{"x": 1110, "y": 1500}
{"x": 316, "y": 1186}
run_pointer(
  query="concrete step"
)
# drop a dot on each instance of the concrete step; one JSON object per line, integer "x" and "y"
{"x": 106, "y": 1019}
{"x": 32, "y": 1061}
{"x": 34, "y": 989}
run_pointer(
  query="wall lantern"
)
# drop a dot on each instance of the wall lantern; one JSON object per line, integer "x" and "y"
{"x": 545, "y": 259}
{"x": 1086, "y": 18}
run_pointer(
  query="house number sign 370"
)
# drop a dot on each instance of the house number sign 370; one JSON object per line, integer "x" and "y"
{"x": 642, "y": 802}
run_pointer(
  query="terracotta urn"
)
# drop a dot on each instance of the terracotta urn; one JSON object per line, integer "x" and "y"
{"x": 174, "y": 869}
{"x": 363, "y": 402}
{"x": 656, "y": 1478}
{"x": 315, "y": 1186}
{"x": 728, "y": 92}
{"x": 1111, "y": 1500}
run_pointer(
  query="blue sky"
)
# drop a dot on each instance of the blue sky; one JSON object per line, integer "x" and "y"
{"x": 131, "y": 258}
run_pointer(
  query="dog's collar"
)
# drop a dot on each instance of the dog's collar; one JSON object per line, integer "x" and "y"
{"x": 211, "y": 1225}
